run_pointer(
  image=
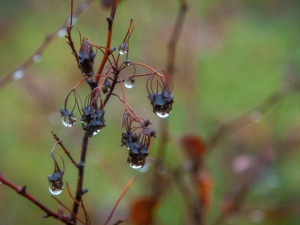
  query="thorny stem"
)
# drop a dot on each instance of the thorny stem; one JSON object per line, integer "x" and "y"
{"x": 22, "y": 191}
{"x": 80, "y": 166}
{"x": 47, "y": 41}
{"x": 110, "y": 21}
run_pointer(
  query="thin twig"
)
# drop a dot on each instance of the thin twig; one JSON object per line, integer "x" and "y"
{"x": 64, "y": 148}
{"x": 22, "y": 191}
{"x": 119, "y": 199}
{"x": 48, "y": 39}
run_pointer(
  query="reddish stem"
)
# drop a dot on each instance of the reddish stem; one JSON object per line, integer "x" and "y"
{"x": 110, "y": 21}
{"x": 22, "y": 191}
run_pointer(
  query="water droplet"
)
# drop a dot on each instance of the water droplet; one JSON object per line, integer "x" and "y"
{"x": 136, "y": 167}
{"x": 74, "y": 20}
{"x": 18, "y": 74}
{"x": 127, "y": 62}
{"x": 84, "y": 6}
{"x": 129, "y": 83}
{"x": 54, "y": 191}
{"x": 257, "y": 216}
{"x": 68, "y": 121}
{"x": 96, "y": 132}
{"x": 123, "y": 49}
{"x": 61, "y": 33}
{"x": 162, "y": 114}
{"x": 36, "y": 58}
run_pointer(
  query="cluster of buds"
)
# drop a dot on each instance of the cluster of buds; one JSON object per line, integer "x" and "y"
{"x": 136, "y": 139}
{"x": 159, "y": 86}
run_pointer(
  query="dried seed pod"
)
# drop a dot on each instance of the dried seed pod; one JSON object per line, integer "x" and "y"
{"x": 86, "y": 57}
{"x": 162, "y": 103}
{"x": 67, "y": 117}
{"x": 92, "y": 120}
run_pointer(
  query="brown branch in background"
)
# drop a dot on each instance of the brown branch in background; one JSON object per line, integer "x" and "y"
{"x": 18, "y": 72}
{"x": 172, "y": 45}
{"x": 64, "y": 148}
{"x": 110, "y": 21}
{"x": 246, "y": 119}
{"x": 119, "y": 199}
{"x": 22, "y": 191}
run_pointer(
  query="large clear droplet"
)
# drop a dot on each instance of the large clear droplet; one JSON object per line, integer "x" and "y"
{"x": 129, "y": 83}
{"x": 61, "y": 32}
{"x": 122, "y": 51}
{"x": 162, "y": 114}
{"x": 68, "y": 121}
{"x": 18, "y": 74}
{"x": 96, "y": 132}
{"x": 136, "y": 167}
{"x": 55, "y": 191}
{"x": 36, "y": 58}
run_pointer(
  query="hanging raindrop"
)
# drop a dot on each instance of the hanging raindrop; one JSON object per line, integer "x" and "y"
{"x": 136, "y": 167}
{"x": 96, "y": 132}
{"x": 18, "y": 74}
{"x": 67, "y": 118}
{"x": 123, "y": 49}
{"x": 55, "y": 182}
{"x": 162, "y": 114}
{"x": 129, "y": 83}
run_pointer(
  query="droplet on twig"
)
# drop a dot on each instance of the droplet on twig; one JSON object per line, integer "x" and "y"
{"x": 36, "y": 58}
{"x": 123, "y": 49}
{"x": 18, "y": 74}
{"x": 129, "y": 83}
{"x": 61, "y": 32}
{"x": 55, "y": 182}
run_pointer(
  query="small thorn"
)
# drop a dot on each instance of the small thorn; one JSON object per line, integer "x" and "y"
{"x": 23, "y": 190}
{"x": 84, "y": 191}
{"x": 80, "y": 164}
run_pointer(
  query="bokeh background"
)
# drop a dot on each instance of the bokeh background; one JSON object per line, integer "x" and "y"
{"x": 231, "y": 56}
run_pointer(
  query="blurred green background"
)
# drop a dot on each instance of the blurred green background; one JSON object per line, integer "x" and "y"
{"x": 230, "y": 57}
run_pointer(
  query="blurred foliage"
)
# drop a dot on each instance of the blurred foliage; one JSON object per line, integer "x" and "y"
{"x": 230, "y": 57}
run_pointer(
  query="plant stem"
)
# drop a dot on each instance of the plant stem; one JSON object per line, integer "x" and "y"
{"x": 80, "y": 166}
{"x": 110, "y": 21}
{"x": 22, "y": 191}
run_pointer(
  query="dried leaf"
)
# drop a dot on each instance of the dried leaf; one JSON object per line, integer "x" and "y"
{"x": 194, "y": 145}
{"x": 142, "y": 210}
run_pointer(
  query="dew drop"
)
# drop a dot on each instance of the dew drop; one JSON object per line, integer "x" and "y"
{"x": 61, "y": 33}
{"x": 74, "y": 20}
{"x": 55, "y": 191}
{"x": 129, "y": 83}
{"x": 96, "y": 132}
{"x": 36, "y": 58}
{"x": 162, "y": 114}
{"x": 136, "y": 167}
{"x": 18, "y": 74}
{"x": 68, "y": 121}
{"x": 122, "y": 51}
